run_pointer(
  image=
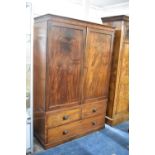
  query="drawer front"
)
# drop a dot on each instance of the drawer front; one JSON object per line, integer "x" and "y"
{"x": 54, "y": 119}
{"x": 92, "y": 123}
{"x": 94, "y": 108}
{"x": 65, "y": 132}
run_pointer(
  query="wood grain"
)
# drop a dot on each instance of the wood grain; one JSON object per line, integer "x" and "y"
{"x": 123, "y": 94}
{"x": 39, "y": 78}
{"x": 65, "y": 53}
{"x": 61, "y": 117}
{"x": 66, "y": 132}
{"x": 118, "y": 105}
{"x": 39, "y": 64}
{"x": 97, "y": 63}
{"x": 72, "y": 61}
{"x": 93, "y": 108}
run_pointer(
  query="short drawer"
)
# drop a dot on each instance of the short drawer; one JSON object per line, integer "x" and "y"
{"x": 63, "y": 133}
{"x": 93, "y": 108}
{"x": 92, "y": 123}
{"x": 54, "y": 119}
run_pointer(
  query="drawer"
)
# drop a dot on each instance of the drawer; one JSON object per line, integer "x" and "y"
{"x": 92, "y": 123}
{"x": 54, "y": 119}
{"x": 63, "y": 133}
{"x": 66, "y": 132}
{"x": 93, "y": 108}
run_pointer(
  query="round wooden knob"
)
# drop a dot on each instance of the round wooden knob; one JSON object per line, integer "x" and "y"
{"x": 94, "y": 110}
{"x": 93, "y": 123}
{"x": 65, "y": 132}
{"x": 65, "y": 117}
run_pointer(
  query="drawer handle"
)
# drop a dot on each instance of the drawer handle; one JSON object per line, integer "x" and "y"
{"x": 65, "y": 132}
{"x": 94, "y": 110}
{"x": 65, "y": 117}
{"x": 93, "y": 123}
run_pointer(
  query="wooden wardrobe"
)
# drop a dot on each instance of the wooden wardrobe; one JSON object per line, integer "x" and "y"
{"x": 118, "y": 104}
{"x": 72, "y": 62}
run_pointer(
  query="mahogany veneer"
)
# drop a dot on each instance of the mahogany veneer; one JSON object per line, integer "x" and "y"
{"x": 118, "y": 105}
{"x": 72, "y": 62}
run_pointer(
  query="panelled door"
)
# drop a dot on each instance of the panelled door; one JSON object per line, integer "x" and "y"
{"x": 66, "y": 45}
{"x": 97, "y": 65}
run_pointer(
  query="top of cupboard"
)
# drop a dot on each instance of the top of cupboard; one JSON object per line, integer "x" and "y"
{"x": 115, "y": 18}
{"x": 56, "y": 18}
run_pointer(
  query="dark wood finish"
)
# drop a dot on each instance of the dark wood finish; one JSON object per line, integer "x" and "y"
{"x": 118, "y": 105}
{"x": 72, "y": 61}
{"x": 39, "y": 78}
{"x": 93, "y": 108}
{"x": 97, "y": 63}
{"x": 61, "y": 117}
{"x": 39, "y": 126}
{"x": 50, "y": 17}
{"x": 39, "y": 51}
{"x": 66, "y": 132}
{"x": 115, "y": 18}
{"x": 65, "y": 60}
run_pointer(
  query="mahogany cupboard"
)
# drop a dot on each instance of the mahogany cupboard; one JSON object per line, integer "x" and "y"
{"x": 118, "y": 104}
{"x": 72, "y": 61}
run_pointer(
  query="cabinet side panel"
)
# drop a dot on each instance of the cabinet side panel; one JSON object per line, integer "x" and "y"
{"x": 39, "y": 64}
{"x": 123, "y": 94}
{"x": 113, "y": 76}
{"x": 118, "y": 105}
{"x": 39, "y": 126}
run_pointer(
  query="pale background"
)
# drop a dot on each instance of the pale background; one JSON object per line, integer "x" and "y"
{"x": 13, "y": 77}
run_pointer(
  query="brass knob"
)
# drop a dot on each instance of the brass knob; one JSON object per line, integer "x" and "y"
{"x": 65, "y": 117}
{"x": 93, "y": 123}
{"x": 65, "y": 132}
{"x": 94, "y": 110}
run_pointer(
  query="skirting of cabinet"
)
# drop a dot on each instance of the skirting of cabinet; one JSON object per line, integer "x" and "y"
{"x": 117, "y": 119}
{"x": 64, "y": 133}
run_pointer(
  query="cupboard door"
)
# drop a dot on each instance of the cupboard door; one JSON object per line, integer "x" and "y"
{"x": 65, "y": 61}
{"x": 97, "y": 64}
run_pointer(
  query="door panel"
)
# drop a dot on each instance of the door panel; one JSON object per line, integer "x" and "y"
{"x": 97, "y": 65}
{"x": 65, "y": 61}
